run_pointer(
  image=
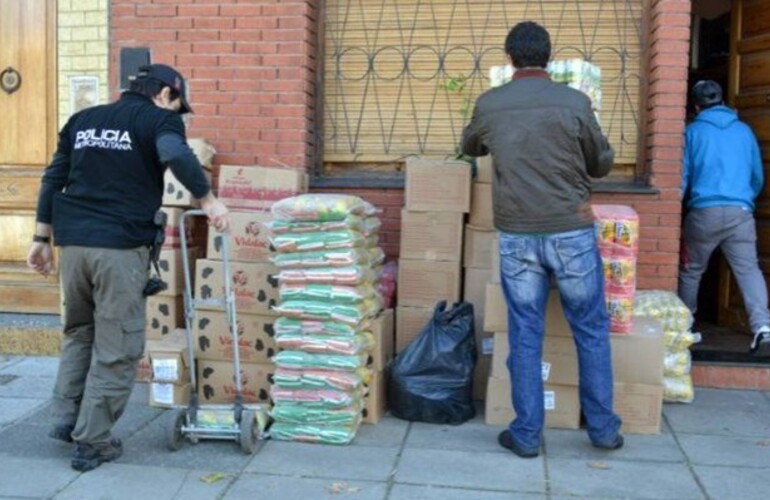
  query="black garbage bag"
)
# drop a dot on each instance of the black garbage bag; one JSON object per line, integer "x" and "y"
{"x": 431, "y": 380}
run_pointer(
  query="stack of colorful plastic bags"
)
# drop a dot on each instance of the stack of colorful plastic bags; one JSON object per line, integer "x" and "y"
{"x": 329, "y": 261}
{"x": 677, "y": 321}
{"x": 617, "y": 234}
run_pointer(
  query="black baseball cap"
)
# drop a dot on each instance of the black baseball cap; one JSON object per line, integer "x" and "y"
{"x": 707, "y": 92}
{"x": 168, "y": 76}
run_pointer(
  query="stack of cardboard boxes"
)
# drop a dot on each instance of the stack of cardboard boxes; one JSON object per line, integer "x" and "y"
{"x": 248, "y": 192}
{"x": 430, "y": 264}
{"x": 479, "y": 246}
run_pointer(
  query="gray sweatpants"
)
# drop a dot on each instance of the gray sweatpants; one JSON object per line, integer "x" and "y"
{"x": 733, "y": 230}
{"x": 104, "y": 322}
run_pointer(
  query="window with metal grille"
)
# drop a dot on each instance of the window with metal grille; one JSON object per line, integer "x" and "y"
{"x": 401, "y": 76}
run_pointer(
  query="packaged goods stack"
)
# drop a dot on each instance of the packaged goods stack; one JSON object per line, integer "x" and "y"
{"x": 249, "y": 193}
{"x": 677, "y": 321}
{"x": 617, "y": 234}
{"x": 637, "y": 346}
{"x": 438, "y": 194}
{"x": 329, "y": 261}
{"x": 478, "y": 248}
{"x": 165, "y": 311}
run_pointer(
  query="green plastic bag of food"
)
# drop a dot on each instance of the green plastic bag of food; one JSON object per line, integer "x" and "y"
{"x": 307, "y": 433}
{"x": 321, "y": 207}
{"x": 339, "y": 257}
{"x": 283, "y": 326}
{"x": 324, "y": 292}
{"x": 299, "y": 414}
{"x": 352, "y": 314}
{"x": 326, "y": 344}
{"x": 328, "y": 399}
{"x": 340, "y": 380}
{"x": 314, "y": 242}
{"x": 302, "y": 360}
{"x": 364, "y": 225}
{"x": 340, "y": 276}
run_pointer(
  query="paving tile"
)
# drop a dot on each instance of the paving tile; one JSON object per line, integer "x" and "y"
{"x": 575, "y": 444}
{"x": 729, "y": 483}
{"x": 135, "y": 418}
{"x": 732, "y": 421}
{"x": 471, "y": 469}
{"x": 33, "y": 366}
{"x": 724, "y": 399}
{"x": 129, "y": 482}
{"x": 470, "y": 436}
{"x": 140, "y": 394}
{"x": 615, "y": 478}
{"x": 12, "y": 409}
{"x": 389, "y": 432}
{"x": 369, "y": 463}
{"x": 727, "y": 450}
{"x": 413, "y": 492}
{"x": 282, "y": 487}
{"x": 28, "y": 387}
{"x": 36, "y": 478}
{"x": 148, "y": 447}
{"x": 32, "y": 441}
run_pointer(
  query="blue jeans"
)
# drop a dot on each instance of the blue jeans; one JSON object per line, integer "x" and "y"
{"x": 527, "y": 264}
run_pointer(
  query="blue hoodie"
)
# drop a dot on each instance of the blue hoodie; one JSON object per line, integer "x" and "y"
{"x": 722, "y": 164}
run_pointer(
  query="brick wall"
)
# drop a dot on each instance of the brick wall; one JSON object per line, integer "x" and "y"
{"x": 82, "y": 47}
{"x": 250, "y": 66}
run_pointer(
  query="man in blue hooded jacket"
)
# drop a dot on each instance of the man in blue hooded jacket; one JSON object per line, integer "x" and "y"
{"x": 721, "y": 177}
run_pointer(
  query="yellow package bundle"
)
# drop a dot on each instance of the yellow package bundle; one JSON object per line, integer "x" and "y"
{"x": 326, "y": 344}
{"x": 321, "y": 208}
{"x": 679, "y": 341}
{"x": 364, "y": 225}
{"x": 308, "y": 433}
{"x": 341, "y": 257}
{"x": 665, "y": 306}
{"x": 621, "y": 311}
{"x": 678, "y": 389}
{"x": 677, "y": 363}
{"x": 620, "y": 274}
{"x": 617, "y": 229}
{"x": 352, "y": 276}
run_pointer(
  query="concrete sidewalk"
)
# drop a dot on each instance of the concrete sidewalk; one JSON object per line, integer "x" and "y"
{"x": 718, "y": 447}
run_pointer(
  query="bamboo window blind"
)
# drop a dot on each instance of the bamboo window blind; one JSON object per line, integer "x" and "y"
{"x": 401, "y": 76}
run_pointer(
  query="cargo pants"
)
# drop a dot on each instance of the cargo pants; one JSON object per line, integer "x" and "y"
{"x": 104, "y": 337}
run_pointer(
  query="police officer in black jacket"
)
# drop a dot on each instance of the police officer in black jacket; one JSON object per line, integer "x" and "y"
{"x": 98, "y": 199}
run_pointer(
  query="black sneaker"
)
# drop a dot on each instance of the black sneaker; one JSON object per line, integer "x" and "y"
{"x": 88, "y": 457}
{"x": 615, "y": 444}
{"x": 760, "y": 344}
{"x": 506, "y": 441}
{"x": 62, "y": 432}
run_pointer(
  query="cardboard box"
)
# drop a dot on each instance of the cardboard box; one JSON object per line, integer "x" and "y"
{"x": 165, "y": 395}
{"x": 170, "y": 360}
{"x": 254, "y": 286}
{"x": 495, "y": 258}
{"x": 249, "y": 238}
{"x": 164, "y": 314}
{"x": 172, "y": 269}
{"x": 213, "y": 340}
{"x": 383, "y": 329}
{"x": 560, "y": 361}
{"x": 481, "y": 376}
{"x": 639, "y": 406}
{"x": 423, "y": 283}
{"x": 196, "y": 228}
{"x": 474, "y": 291}
{"x": 216, "y": 382}
{"x": 174, "y": 192}
{"x": 496, "y": 313}
{"x": 431, "y": 235}
{"x": 257, "y": 188}
{"x": 409, "y": 323}
{"x": 477, "y": 247}
{"x": 375, "y": 402}
{"x": 482, "y": 214}
{"x": 637, "y": 357}
{"x": 484, "y": 169}
{"x": 438, "y": 186}
{"x": 203, "y": 150}
{"x": 562, "y": 405}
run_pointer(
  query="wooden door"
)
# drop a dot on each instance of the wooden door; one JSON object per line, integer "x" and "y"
{"x": 27, "y": 140}
{"x": 749, "y": 93}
